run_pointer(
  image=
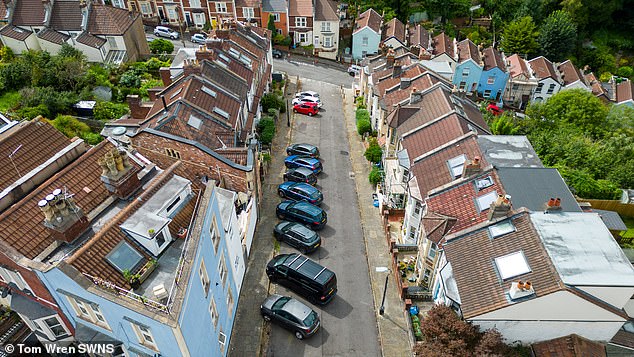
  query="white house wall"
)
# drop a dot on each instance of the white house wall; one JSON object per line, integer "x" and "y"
{"x": 16, "y": 46}
{"x": 50, "y": 47}
{"x": 543, "y": 94}
{"x": 577, "y": 85}
{"x": 613, "y": 295}
{"x": 92, "y": 54}
{"x": 319, "y": 39}
{"x": 536, "y": 331}
{"x": 445, "y": 58}
{"x": 393, "y": 43}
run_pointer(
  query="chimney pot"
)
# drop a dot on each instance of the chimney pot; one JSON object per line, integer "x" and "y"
{"x": 551, "y": 202}
{"x": 527, "y": 285}
{"x": 557, "y": 202}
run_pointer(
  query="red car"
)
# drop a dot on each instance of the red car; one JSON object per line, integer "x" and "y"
{"x": 494, "y": 109}
{"x": 307, "y": 108}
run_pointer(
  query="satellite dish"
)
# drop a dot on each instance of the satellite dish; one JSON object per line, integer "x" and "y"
{"x": 118, "y": 131}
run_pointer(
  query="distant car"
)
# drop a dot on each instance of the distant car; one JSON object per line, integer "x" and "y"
{"x": 494, "y": 109}
{"x": 301, "y": 174}
{"x": 291, "y": 314}
{"x": 308, "y": 162}
{"x": 308, "y": 93}
{"x": 297, "y": 235}
{"x": 300, "y": 191}
{"x": 303, "y": 149}
{"x": 354, "y": 70}
{"x": 165, "y": 32}
{"x": 309, "y": 109}
{"x": 277, "y": 54}
{"x": 302, "y": 212}
{"x": 300, "y": 100}
{"x": 199, "y": 38}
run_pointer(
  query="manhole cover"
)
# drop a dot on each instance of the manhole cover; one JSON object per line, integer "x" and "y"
{"x": 345, "y": 153}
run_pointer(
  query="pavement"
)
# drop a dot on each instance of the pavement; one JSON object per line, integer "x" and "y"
{"x": 250, "y": 335}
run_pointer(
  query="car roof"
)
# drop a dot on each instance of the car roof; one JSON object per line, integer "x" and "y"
{"x": 297, "y": 309}
{"x": 304, "y": 187}
{"x": 302, "y": 229}
{"x": 303, "y": 170}
{"x": 304, "y": 145}
{"x": 314, "y": 210}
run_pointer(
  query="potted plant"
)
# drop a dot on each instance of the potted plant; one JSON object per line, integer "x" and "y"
{"x": 133, "y": 279}
{"x": 150, "y": 232}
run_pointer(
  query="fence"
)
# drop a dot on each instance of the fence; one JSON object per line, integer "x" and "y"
{"x": 611, "y": 205}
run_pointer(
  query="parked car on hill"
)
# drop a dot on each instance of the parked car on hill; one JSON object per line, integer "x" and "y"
{"x": 300, "y": 191}
{"x": 302, "y": 212}
{"x": 301, "y": 174}
{"x": 297, "y": 235}
{"x": 309, "y": 109}
{"x": 291, "y": 314}
{"x": 165, "y": 32}
{"x": 303, "y": 149}
{"x": 308, "y": 162}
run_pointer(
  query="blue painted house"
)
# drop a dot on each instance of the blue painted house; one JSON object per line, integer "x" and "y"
{"x": 367, "y": 34}
{"x": 494, "y": 75}
{"x": 469, "y": 68}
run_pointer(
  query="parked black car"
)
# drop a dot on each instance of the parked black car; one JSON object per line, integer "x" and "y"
{"x": 297, "y": 235}
{"x": 300, "y": 191}
{"x": 301, "y": 174}
{"x": 291, "y": 314}
{"x": 306, "y": 277}
{"x": 303, "y": 149}
{"x": 277, "y": 53}
{"x": 302, "y": 212}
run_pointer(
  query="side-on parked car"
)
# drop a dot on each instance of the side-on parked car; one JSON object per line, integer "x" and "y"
{"x": 354, "y": 70}
{"x": 307, "y": 93}
{"x": 199, "y": 38}
{"x": 291, "y": 314}
{"x": 302, "y": 212}
{"x": 308, "y": 162}
{"x": 297, "y": 235}
{"x": 300, "y": 191}
{"x": 165, "y": 32}
{"x": 304, "y": 276}
{"x": 301, "y": 174}
{"x": 301, "y": 100}
{"x": 309, "y": 109}
{"x": 277, "y": 53}
{"x": 303, "y": 149}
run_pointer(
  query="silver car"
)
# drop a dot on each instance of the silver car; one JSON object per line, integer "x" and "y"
{"x": 290, "y": 314}
{"x": 165, "y": 32}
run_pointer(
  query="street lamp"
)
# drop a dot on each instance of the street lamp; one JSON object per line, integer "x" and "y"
{"x": 387, "y": 277}
{"x": 288, "y": 115}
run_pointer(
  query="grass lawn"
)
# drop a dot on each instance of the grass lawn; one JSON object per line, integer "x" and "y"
{"x": 9, "y": 100}
{"x": 629, "y": 222}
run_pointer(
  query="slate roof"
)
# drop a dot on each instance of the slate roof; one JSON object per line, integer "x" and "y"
{"x": 443, "y": 44}
{"x": 468, "y": 50}
{"x": 90, "y": 40}
{"x": 611, "y": 219}
{"x": 493, "y": 58}
{"x": 508, "y": 151}
{"x": 39, "y": 142}
{"x": 28, "y": 13}
{"x": 108, "y": 20}
{"x": 532, "y": 187}
{"x": 570, "y": 73}
{"x": 15, "y": 33}
{"x": 249, "y": 3}
{"x": 543, "y": 68}
{"x": 569, "y": 346}
{"x": 53, "y": 36}
{"x": 66, "y": 15}
{"x": 472, "y": 252}
{"x": 418, "y": 36}
{"x": 300, "y": 8}
{"x": 624, "y": 91}
{"x": 623, "y": 338}
{"x": 394, "y": 28}
{"x": 325, "y": 10}
{"x": 274, "y": 6}
{"x": 369, "y": 18}
{"x": 518, "y": 66}
{"x": 21, "y": 225}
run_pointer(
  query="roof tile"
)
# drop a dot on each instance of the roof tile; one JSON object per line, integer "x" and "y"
{"x": 369, "y": 18}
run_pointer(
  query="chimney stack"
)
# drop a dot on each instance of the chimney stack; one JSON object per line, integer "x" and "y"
{"x": 553, "y": 204}
{"x": 166, "y": 76}
{"x": 62, "y": 217}
{"x": 390, "y": 58}
{"x": 473, "y": 167}
{"x": 118, "y": 174}
{"x": 137, "y": 109}
{"x": 415, "y": 96}
{"x": 520, "y": 290}
{"x": 396, "y": 69}
{"x": 500, "y": 208}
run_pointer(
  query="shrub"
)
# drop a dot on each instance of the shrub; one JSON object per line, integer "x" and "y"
{"x": 375, "y": 176}
{"x": 91, "y": 138}
{"x": 70, "y": 126}
{"x": 272, "y": 112}
{"x": 32, "y": 112}
{"x": 130, "y": 79}
{"x": 362, "y": 114}
{"x": 109, "y": 111}
{"x": 374, "y": 153}
{"x": 363, "y": 126}
{"x": 266, "y": 129}
{"x": 625, "y": 71}
{"x": 272, "y": 100}
{"x": 160, "y": 45}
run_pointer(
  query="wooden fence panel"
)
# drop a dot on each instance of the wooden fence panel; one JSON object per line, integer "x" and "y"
{"x": 612, "y": 205}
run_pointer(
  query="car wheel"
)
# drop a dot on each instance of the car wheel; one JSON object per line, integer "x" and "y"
{"x": 310, "y": 114}
{"x": 278, "y": 237}
{"x": 281, "y": 216}
{"x": 267, "y": 318}
{"x": 299, "y": 335}
{"x": 173, "y": 37}
{"x": 281, "y": 193}
{"x": 272, "y": 278}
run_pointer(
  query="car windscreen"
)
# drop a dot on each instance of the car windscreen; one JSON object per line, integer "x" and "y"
{"x": 310, "y": 319}
{"x": 280, "y": 303}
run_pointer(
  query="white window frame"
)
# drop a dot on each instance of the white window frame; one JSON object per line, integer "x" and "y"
{"x": 44, "y": 326}
{"x": 199, "y": 19}
{"x": 302, "y": 37}
{"x": 364, "y": 41}
{"x": 89, "y": 312}
{"x": 551, "y": 88}
{"x": 222, "y": 269}
{"x": 12, "y": 276}
{"x": 146, "y": 8}
{"x": 328, "y": 42}
{"x": 221, "y": 7}
{"x": 491, "y": 80}
{"x": 204, "y": 277}
{"x": 454, "y": 164}
{"x": 112, "y": 42}
{"x": 432, "y": 251}
{"x": 300, "y": 21}
{"x": 276, "y": 17}
{"x": 466, "y": 71}
{"x": 145, "y": 336}
{"x": 325, "y": 26}
{"x": 171, "y": 13}
{"x": 248, "y": 13}
{"x": 222, "y": 341}
{"x": 487, "y": 93}
{"x": 215, "y": 233}
{"x": 540, "y": 86}
{"x": 229, "y": 301}
{"x": 194, "y": 3}
{"x": 213, "y": 312}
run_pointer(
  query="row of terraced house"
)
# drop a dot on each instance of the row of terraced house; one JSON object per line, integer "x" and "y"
{"x": 140, "y": 243}
{"x": 476, "y": 221}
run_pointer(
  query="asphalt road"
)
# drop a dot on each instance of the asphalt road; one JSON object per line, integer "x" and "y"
{"x": 349, "y": 326}
{"x": 320, "y": 73}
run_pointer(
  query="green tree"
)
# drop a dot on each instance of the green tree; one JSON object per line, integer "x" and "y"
{"x": 446, "y": 9}
{"x": 362, "y": 114}
{"x": 160, "y": 45}
{"x": 107, "y": 111}
{"x": 504, "y": 125}
{"x": 373, "y": 153}
{"x": 266, "y": 129}
{"x": 520, "y": 36}
{"x": 271, "y": 26}
{"x": 130, "y": 79}
{"x": 557, "y": 36}
{"x": 364, "y": 126}
{"x": 375, "y": 176}
{"x": 70, "y": 126}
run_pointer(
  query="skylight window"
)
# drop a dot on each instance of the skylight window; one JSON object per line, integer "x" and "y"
{"x": 484, "y": 183}
{"x": 124, "y": 257}
{"x": 224, "y": 58}
{"x": 195, "y": 122}
{"x": 176, "y": 93}
{"x": 209, "y": 91}
{"x": 484, "y": 201}
{"x": 234, "y": 53}
{"x": 512, "y": 265}
{"x": 221, "y": 112}
{"x": 501, "y": 229}
{"x": 456, "y": 166}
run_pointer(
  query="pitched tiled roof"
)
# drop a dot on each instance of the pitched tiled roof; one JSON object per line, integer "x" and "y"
{"x": 90, "y": 40}
{"x": 479, "y": 283}
{"x": 395, "y": 28}
{"x": 460, "y": 200}
{"x": 385, "y": 79}
{"x": 300, "y": 8}
{"x": 371, "y": 19}
{"x": 418, "y": 36}
{"x": 28, "y": 13}
{"x": 249, "y": 3}
{"x": 15, "y": 33}
{"x": 624, "y": 91}
{"x": 493, "y": 58}
{"x": 569, "y": 72}
{"x": 3, "y": 9}
{"x": 623, "y": 338}
{"x": 468, "y": 50}
{"x": 22, "y": 226}
{"x": 569, "y": 346}
{"x": 108, "y": 20}
{"x": 596, "y": 86}
{"x": 443, "y": 44}
{"x": 436, "y": 226}
{"x": 274, "y": 5}
{"x": 543, "y": 68}
{"x": 611, "y": 219}
{"x": 325, "y": 10}
{"x": 66, "y": 15}
{"x": 518, "y": 66}
{"x": 53, "y": 36}
{"x": 38, "y": 141}
{"x": 396, "y": 96}
{"x": 225, "y": 78}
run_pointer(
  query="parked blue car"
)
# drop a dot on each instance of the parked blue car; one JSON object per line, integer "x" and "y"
{"x": 294, "y": 161}
{"x": 300, "y": 191}
{"x": 302, "y": 212}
